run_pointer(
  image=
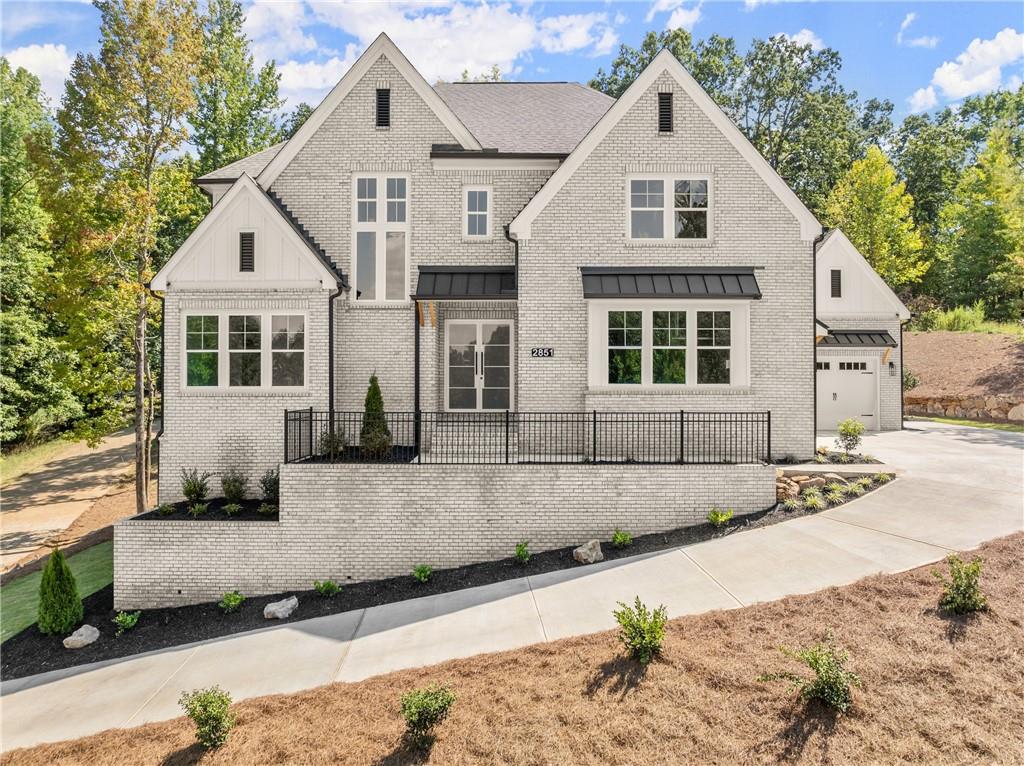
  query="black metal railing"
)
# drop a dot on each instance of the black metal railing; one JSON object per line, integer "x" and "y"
{"x": 527, "y": 437}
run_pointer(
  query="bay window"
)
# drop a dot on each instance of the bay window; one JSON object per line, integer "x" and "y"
{"x": 673, "y": 207}
{"x": 262, "y": 350}
{"x": 381, "y": 238}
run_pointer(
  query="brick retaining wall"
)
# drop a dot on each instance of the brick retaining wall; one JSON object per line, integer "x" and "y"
{"x": 358, "y": 522}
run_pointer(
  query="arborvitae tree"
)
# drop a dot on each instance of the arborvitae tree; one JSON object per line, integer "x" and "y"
{"x": 60, "y": 608}
{"x": 375, "y": 436}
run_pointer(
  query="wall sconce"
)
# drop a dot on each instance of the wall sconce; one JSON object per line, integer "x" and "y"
{"x": 892, "y": 369}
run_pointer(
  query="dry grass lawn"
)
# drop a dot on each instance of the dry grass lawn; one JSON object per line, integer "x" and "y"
{"x": 936, "y": 691}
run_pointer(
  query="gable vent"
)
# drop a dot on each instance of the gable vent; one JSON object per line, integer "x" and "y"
{"x": 837, "y": 283}
{"x": 247, "y": 251}
{"x": 383, "y": 107}
{"x": 664, "y": 112}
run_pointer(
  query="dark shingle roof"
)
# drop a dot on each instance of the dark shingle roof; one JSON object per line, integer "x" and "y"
{"x": 656, "y": 282}
{"x": 858, "y": 338}
{"x": 253, "y": 165}
{"x": 311, "y": 243}
{"x": 466, "y": 282}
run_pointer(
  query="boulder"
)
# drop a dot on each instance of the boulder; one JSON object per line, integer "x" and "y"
{"x": 831, "y": 477}
{"x": 815, "y": 481}
{"x": 1016, "y": 413}
{"x": 589, "y": 552}
{"x": 280, "y": 610}
{"x": 84, "y": 636}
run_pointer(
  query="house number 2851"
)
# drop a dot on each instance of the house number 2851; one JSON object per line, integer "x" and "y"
{"x": 543, "y": 351}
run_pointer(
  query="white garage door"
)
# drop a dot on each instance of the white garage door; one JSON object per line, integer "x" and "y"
{"x": 847, "y": 388}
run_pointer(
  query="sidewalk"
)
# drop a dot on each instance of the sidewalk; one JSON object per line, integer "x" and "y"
{"x": 960, "y": 487}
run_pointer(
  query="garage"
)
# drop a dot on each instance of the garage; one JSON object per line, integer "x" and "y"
{"x": 847, "y": 388}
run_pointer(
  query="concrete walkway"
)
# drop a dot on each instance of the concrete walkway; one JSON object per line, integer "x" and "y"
{"x": 959, "y": 488}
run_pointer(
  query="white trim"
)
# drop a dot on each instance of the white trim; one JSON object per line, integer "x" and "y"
{"x": 669, "y": 209}
{"x": 489, "y": 212}
{"x": 665, "y": 62}
{"x": 380, "y": 227}
{"x": 470, "y": 164}
{"x": 846, "y": 246}
{"x": 244, "y": 183}
{"x": 478, "y": 384}
{"x": 382, "y": 46}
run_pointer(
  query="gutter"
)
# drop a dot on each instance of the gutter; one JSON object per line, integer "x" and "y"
{"x": 330, "y": 348}
{"x": 515, "y": 243}
{"x": 814, "y": 320}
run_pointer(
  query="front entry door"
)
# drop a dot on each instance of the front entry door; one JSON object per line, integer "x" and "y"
{"x": 478, "y": 375}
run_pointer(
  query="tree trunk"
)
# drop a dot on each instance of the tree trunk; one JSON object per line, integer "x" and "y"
{"x": 150, "y": 405}
{"x": 141, "y": 423}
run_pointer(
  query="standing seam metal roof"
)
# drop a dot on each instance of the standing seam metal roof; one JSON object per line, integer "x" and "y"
{"x": 655, "y": 282}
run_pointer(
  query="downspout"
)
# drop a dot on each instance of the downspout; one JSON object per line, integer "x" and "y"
{"x": 515, "y": 243}
{"x": 416, "y": 372}
{"x": 330, "y": 352}
{"x": 814, "y": 326}
{"x": 901, "y": 373}
{"x": 163, "y": 359}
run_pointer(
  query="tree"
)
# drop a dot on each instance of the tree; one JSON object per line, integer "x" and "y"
{"x": 374, "y": 435}
{"x": 874, "y": 211}
{"x": 60, "y": 608}
{"x": 295, "y": 120}
{"x": 235, "y": 105}
{"x": 494, "y": 75}
{"x": 125, "y": 109}
{"x": 981, "y": 232}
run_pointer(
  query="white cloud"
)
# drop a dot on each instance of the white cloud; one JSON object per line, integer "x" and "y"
{"x": 979, "y": 69}
{"x": 806, "y": 37}
{"x": 565, "y": 34}
{"x": 925, "y": 41}
{"x": 50, "y": 63}
{"x": 752, "y": 4}
{"x": 310, "y": 81}
{"x": 923, "y": 99}
{"x": 682, "y": 15}
{"x": 276, "y": 31}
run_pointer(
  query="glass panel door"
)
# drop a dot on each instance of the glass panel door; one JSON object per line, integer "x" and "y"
{"x": 462, "y": 366}
{"x": 496, "y": 366}
{"x": 479, "y": 373}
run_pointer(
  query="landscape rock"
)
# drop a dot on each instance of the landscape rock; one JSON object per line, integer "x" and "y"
{"x": 84, "y": 636}
{"x": 280, "y": 610}
{"x": 816, "y": 481}
{"x": 1016, "y": 413}
{"x": 589, "y": 552}
{"x": 830, "y": 477}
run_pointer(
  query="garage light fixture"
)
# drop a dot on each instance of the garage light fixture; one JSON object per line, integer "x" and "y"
{"x": 892, "y": 369}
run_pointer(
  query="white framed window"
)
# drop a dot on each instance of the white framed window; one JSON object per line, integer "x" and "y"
{"x": 380, "y": 245}
{"x": 232, "y": 349}
{"x": 675, "y": 207}
{"x": 476, "y": 211}
{"x": 663, "y": 343}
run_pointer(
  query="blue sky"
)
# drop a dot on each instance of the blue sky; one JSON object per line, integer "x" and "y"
{"x": 921, "y": 55}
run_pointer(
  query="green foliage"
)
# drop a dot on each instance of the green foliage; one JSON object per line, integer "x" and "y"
{"x": 811, "y": 492}
{"x": 209, "y": 711}
{"x": 882, "y": 478}
{"x": 792, "y": 504}
{"x": 232, "y": 509}
{"x": 326, "y": 588}
{"x": 853, "y": 489}
{"x": 834, "y": 497}
{"x": 231, "y": 602}
{"x": 814, "y": 502}
{"x": 198, "y": 509}
{"x": 60, "y": 608}
{"x": 333, "y": 442}
{"x": 195, "y": 485}
{"x": 961, "y": 593}
{"x": 958, "y": 318}
{"x": 719, "y": 518}
{"x": 165, "y": 509}
{"x": 621, "y": 539}
{"x": 641, "y": 630}
{"x": 267, "y": 509}
{"x": 295, "y": 120}
{"x": 375, "y": 436}
{"x": 910, "y": 380}
{"x": 423, "y": 709}
{"x": 234, "y": 484}
{"x": 523, "y": 552}
{"x": 831, "y": 682}
{"x": 850, "y": 432}
{"x": 125, "y": 621}
{"x": 834, "y": 486}
{"x": 270, "y": 486}
{"x": 422, "y": 572}
{"x": 820, "y": 459}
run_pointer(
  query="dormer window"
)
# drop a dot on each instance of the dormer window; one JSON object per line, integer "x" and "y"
{"x": 247, "y": 251}
{"x": 837, "y": 283}
{"x": 383, "y": 107}
{"x": 665, "y": 112}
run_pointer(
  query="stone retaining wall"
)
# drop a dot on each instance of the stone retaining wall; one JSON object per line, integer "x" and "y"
{"x": 359, "y": 522}
{"x": 1001, "y": 409}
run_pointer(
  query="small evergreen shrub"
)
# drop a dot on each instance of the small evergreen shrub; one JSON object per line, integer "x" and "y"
{"x": 834, "y": 486}
{"x": 814, "y": 502}
{"x": 854, "y": 489}
{"x": 333, "y": 442}
{"x": 850, "y": 432}
{"x": 792, "y": 504}
{"x": 195, "y": 486}
{"x": 882, "y": 478}
{"x": 234, "y": 485}
{"x": 231, "y": 602}
{"x": 819, "y": 458}
{"x": 844, "y": 458}
{"x": 423, "y": 709}
{"x": 834, "y": 498}
{"x": 621, "y": 539}
{"x": 719, "y": 518}
{"x": 209, "y": 711}
{"x": 198, "y": 509}
{"x": 266, "y": 509}
{"x": 810, "y": 492}
{"x": 866, "y": 481}
{"x": 832, "y": 681}
{"x": 165, "y": 509}
{"x": 232, "y": 509}
{"x": 125, "y": 621}
{"x": 60, "y": 608}
{"x": 326, "y": 588}
{"x": 641, "y": 631}
{"x": 523, "y": 552}
{"x": 961, "y": 593}
{"x": 270, "y": 486}
{"x": 910, "y": 380}
{"x": 422, "y": 572}
{"x": 374, "y": 435}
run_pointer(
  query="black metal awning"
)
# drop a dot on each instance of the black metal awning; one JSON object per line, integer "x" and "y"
{"x": 844, "y": 338}
{"x": 466, "y": 283}
{"x": 669, "y": 282}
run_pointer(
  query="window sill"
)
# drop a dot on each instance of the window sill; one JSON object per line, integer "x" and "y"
{"x": 669, "y": 242}
{"x": 243, "y": 391}
{"x": 707, "y": 390}
{"x": 386, "y": 305}
{"x": 477, "y": 240}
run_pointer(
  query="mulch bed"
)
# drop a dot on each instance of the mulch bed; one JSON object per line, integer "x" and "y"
{"x": 214, "y": 512}
{"x": 31, "y": 652}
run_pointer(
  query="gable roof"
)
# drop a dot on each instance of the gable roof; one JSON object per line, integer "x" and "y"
{"x": 526, "y": 117}
{"x": 665, "y": 62}
{"x": 382, "y": 46}
{"x": 253, "y": 165}
{"x": 836, "y": 239}
{"x": 245, "y": 183}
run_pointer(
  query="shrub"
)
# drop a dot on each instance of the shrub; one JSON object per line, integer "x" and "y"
{"x": 234, "y": 485}
{"x": 195, "y": 486}
{"x": 719, "y": 518}
{"x": 197, "y": 509}
{"x": 834, "y": 498}
{"x": 422, "y": 572}
{"x": 327, "y": 588}
{"x": 621, "y": 539}
{"x": 266, "y": 509}
{"x": 165, "y": 509}
{"x": 854, "y": 489}
{"x": 844, "y": 458}
{"x": 231, "y": 602}
{"x": 814, "y": 502}
{"x": 882, "y": 478}
{"x": 792, "y": 504}
{"x": 423, "y": 709}
{"x": 333, "y": 442}
{"x": 641, "y": 631}
{"x": 270, "y": 486}
{"x": 961, "y": 593}
{"x": 834, "y": 486}
{"x": 960, "y": 318}
{"x": 374, "y": 435}
{"x": 209, "y": 711}
{"x": 523, "y": 552}
{"x": 910, "y": 380}
{"x": 832, "y": 681}
{"x": 60, "y": 608}
{"x": 819, "y": 458}
{"x": 866, "y": 481}
{"x": 850, "y": 432}
{"x": 810, "y": 491}
{"x": 232, "y": 509}
{"x": 125, "y": 621}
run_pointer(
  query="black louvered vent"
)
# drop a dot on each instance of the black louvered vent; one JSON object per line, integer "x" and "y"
{"x": 837, "y": 283}
{"x": 247, "y": 251}
{"x": 383, "y": 107}
{"x": 664, "y": 112}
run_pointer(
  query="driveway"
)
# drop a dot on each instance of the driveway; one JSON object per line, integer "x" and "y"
{"x": 959, "y": 487}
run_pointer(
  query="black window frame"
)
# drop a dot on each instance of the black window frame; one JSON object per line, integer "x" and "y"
{"x": 836, "y": 278}
{"x": 247, "y": 260}
{"x": 665, "y": 112}
{"x": 382, "y": 111}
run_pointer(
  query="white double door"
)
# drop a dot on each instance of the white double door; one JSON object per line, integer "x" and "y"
{"x": 478, "y": 368}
